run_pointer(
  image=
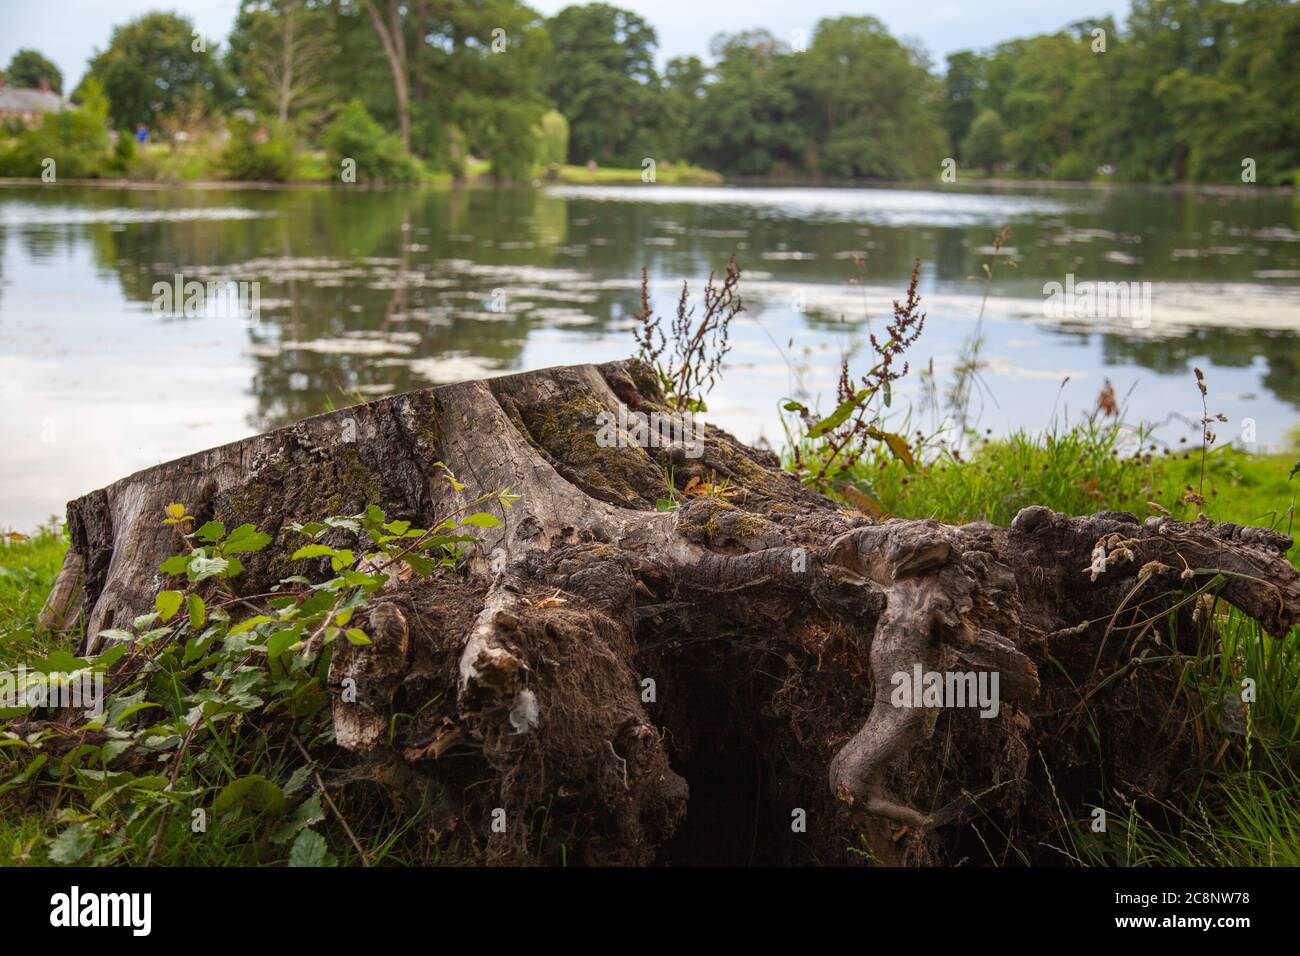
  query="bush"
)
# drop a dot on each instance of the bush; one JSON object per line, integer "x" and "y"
{"x": 553, "y": 139}
{"x": 378, "y": 156}
{"x": 985, "y": 144}
{"x": 77, "y": 141}
{"x": 1074, "y": 166}
{"x": 246, "y": 159}
{"x": 124, "y": 154}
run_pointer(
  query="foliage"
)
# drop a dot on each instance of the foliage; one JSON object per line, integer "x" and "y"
{"x": 248, "y": 156}
{"x": 698, "y": 345}
{"x": 983, "y": 145}
{"x": 214, "y": 698}
{"x": 379, "y": 156}
{"x": 27, "y": 68}
{"x": 152, "y": 68}
{"x": 553, "y": 139}
{"x": 1186, "y": 91}
{"x": 279, "y": 51}
{"x": 841, "y": 440}
{"x": 77, "y": 140}
{"x": 602, "y": 78}
{"x": 874, "y": 104}
{"x": 748, "y": 119}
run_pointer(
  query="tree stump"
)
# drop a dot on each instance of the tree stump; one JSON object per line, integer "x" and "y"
{"x": 717, "y": 683}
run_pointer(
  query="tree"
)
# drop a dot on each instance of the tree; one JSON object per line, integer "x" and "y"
{"x": 603, "y": 79}
{"x": 553, "y": 138}
{"x": 391, "y": 30}
{"x": 961, "y": 85}
{"x": 875, "y": 101}
{"x": 984, "y": 143}
{"x": 29, "y": 68}
{"x": 465, "y": 69}
{"x": 152, "y": 66}
{"x": 748, "y": 121}
{"x": 278, "y": 52}
{"x": 379, "y": 156}
{"x": 611, "y": 664}
{"x": 480, "y": 72}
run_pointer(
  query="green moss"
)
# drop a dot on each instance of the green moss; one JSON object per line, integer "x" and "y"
{"x": 285, "y": 492}
{"x": 567, "y": 431}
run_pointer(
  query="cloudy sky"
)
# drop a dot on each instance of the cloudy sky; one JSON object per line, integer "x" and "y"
{"x": 69, "y": 31}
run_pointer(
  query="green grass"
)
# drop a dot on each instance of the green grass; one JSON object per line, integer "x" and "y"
{"x": 670, "y": 174}
{"x": 27, "y": 571}
{"x": 1079, "y": 471}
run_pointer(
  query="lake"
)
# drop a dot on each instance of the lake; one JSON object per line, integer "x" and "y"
{"x": 365, "y": 293}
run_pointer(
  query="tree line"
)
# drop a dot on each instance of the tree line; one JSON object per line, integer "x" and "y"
{"x": 1183, "y": 90}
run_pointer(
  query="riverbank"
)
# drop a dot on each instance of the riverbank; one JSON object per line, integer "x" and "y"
{"x": 199, "y": 170}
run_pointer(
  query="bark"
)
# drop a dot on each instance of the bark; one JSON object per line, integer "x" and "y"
{"x": 393, "y": 40}
{"x": 687, "y": 686}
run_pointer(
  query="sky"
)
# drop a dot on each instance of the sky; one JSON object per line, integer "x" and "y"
{"x": 70, "y": 31}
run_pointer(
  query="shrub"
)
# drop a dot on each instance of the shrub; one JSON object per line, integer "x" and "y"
{"x": 553, "y": 139}
{"x": 244, "y": 158}
{"x": 77, "y": 141}
{"x": 379, "y": 156}
{"x": 985, "y": 144}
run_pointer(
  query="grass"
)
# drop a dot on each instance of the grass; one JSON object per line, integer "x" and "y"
{"x": 1080, "y": 472}
{"x": 27, "y": 571}
{"x": 670, "y": 174}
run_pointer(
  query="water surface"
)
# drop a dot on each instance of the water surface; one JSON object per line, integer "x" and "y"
{"x": 365, "y": 293}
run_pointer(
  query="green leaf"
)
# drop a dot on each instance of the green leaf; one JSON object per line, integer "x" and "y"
{"x": 421, "y": 565}
{"x": 201, "y": 568}
{"x": 481, "y": 519}
{"x": 665, "y": 504}
{"x": 197, "y": 611}
{"x": 297, "y": 780}
{"x": 249, "y": 624}
{"x": 357, "y": 636}
{"x": 168, "y": 603}
{"x": 313, "y": 551}
{"x": 308, "y": 813}
{"x": 368, "y": 581}
{"x": 310, "y": 849}
{"x": 1295, "y": 470}
{"x": 120, "y": 718}
{"x": 254, "y": 792}
{"x": 244, "y": 539}
{"x": 72, "y": 844}
{"x": 176, "y": 564}
{"x": 281, "y": 642}
{"x": 211, "y": 532}
{"x": 897, "y": 445}
{"x": 838, "y": 417}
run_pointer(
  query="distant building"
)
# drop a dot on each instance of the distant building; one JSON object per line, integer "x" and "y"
{"x": 29, "y": 105}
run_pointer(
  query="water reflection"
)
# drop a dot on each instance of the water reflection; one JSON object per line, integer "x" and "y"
{"x": 369, "y": 292}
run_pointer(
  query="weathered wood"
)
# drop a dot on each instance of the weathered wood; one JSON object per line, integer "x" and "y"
{"x": 769, "y": 619}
